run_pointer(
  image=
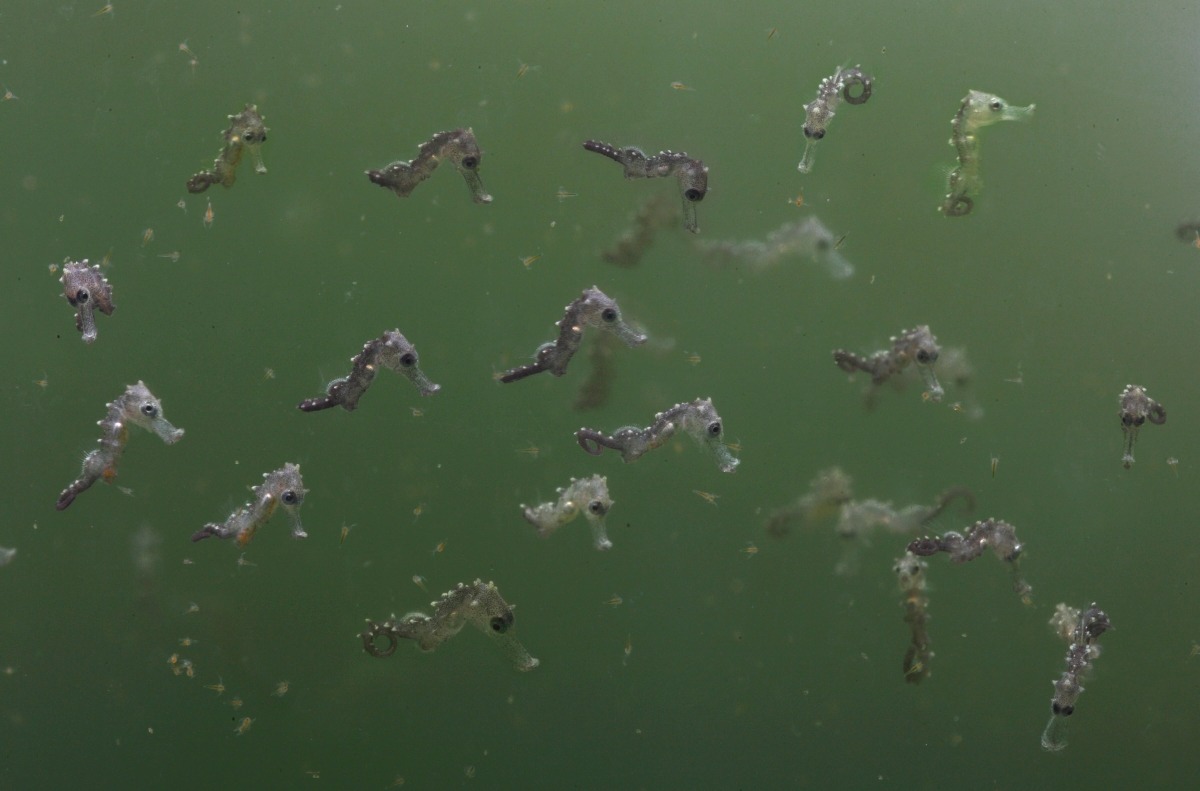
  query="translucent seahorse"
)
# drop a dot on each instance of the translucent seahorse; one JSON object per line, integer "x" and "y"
{"x": 808, "y": 239}
{"x": 390, "y": 350}
{"x": 910, "y": 574}
{"x": 655, "y": 213}
{"x": 457, "y": 145}
{"x": 1080, "y": 630}
{"x": 858, "y": 519}
{"x": 978, "y": 110}
{"x": 827, "y": 493}
{"x": 282, "y": 487}
{"x": 246, "y": 132}
{"x": 588, "y": 496}
{"x": 995, "y": 533}
{"x": 691, "y": 173}
{"x": 698, "y": 418}
{"x": 917, "y": 345}
{"x": 136, "y": 406}
{"x": 479, "y": 604}
{"x": 1136, "y": 408}
{"x": 88, "y": 291}
{"x": 592, "y": 308}
{"x": 820, "y": 111}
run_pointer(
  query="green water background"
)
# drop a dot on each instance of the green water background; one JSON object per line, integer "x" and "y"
{"x": 745, "y": 671}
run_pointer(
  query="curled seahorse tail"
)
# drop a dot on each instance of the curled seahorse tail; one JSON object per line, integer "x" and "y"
{"x": 201, "y": 181}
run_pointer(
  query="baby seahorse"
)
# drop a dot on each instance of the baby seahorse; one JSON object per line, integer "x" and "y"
{"x": 592, "y": 308}
{"x": 820, "y": 111}
{"x": 691, "y": 173}
{"x": 977, "y": 111}
{"x": 1136, "y": 408}
{"x": 585, "y": 495}
{"x": 280, "y": 487}
{"x": 137, "y": 406}
{"x": 246, "y": 131}
{"x": 698, "y": 418}
{"x": 390, "y": 350}
{"x": 917, "y": 345}
{"x": 88, "y": 291}
{"x": 480, "y": 604}
{"x": 457, "y": 145}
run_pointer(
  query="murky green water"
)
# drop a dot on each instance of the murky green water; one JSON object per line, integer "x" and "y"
{"x": 720, "y": 668}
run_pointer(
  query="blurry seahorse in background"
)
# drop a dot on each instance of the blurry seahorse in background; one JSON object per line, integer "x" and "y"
{"x": 977, "y": 111}
{"x": 137, "y": 406}
{"x": 280, "y": 487}
{"x": 88, "y": 291}
{"x": 246, "y": 132}
{"x": 588, "y": 496}
{"x": 479, "y": 604}
{"x": 592, "y": 308}
{"x": 698, "y": 418}
{"x": 457, "y": 145}
{"x": 691, "y": 173}
{"x": 820, "y": 111}
{"x": 390, "y": 350}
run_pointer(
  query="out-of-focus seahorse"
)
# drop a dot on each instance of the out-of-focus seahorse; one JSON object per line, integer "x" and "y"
{"x": 246, "y": 132}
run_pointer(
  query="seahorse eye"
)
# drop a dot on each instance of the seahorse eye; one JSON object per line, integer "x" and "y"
{"x": 609, "y": 314}
{"x": 82, "y": 295}
{"x": 996, "y": 105}
{"x": 816, "y": 134}
{"x": 408, "y": 359}
{"x": 1139, "y": 421}
{"x": 149, "y": 410}
{"x": 923, "y": 356}
{"x": 1127, "y": 419}
{"x": 289, "y": 497}
{"x": 693, "y": 195}
{"x": 500, "y": 625}
{"x": 714, "y": 428}
{"x": 470, "y": 163}
{"x": 596, "y": 507}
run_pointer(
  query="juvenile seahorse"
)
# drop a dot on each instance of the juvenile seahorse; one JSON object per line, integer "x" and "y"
{"x": 137, "y": 406}
{"x": 280, "y": 487}
{"x": 246, "y": 132}
{"x": 1081, "y": 631}
{"x": 917, "y": 345}
{"x": 978, "y": 110}
{"x": 88, "y": 291}
{"x": 691, "y": 173}
{"x": 588, "y": 496}
{"x": 820, "y": 111}
{"x": 479, "y": 604}
{"x": 390, "y": 350}
{"x": 997, "y": 534}
{"x": 457, "y": 145}
{"x": 1136, "y": 409}
{"x": 698, "y": 418}
{"x": 592, "y": 308}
